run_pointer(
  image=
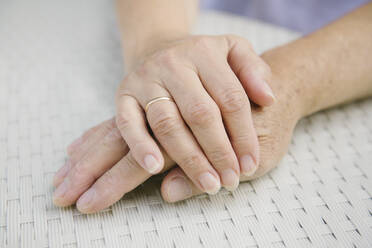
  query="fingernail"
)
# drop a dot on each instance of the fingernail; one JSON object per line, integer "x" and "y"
{"x": 178, "y": 189}
{"x": 230, "y": 179}
{"x": 62, "y": 172}
{"x": 74, "y": 144}
{"x": 248, "y": 166}
{"x": 86, "y": 199}
{"x": 268, "y": 91}
{"x": 209, "y": 183}
{"x": 151, "y": 164}
{"x": 61, "y": 190}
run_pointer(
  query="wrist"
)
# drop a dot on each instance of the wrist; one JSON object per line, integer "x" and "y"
{"x": 288, "y": 83}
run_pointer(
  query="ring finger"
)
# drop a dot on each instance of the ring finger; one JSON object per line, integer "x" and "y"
{"x": 78, "y": 148}
{"x": 175, "y": 137}
{"x": 91, "y": 165}
{"x": 203, "y": 116}
{"x": 227, "y": 91}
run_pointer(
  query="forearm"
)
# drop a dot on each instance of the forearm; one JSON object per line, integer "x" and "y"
{"x": 330, "y": 66}
{"x": 145, "y": 24}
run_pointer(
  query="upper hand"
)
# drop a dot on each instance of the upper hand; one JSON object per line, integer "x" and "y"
{"x": 101, "y": 170}
{"x": 207, "y": 127}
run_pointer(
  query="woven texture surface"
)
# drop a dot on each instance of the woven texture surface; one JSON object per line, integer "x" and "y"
{"x": 60, "y": 64}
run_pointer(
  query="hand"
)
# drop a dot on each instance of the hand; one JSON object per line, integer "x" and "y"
{"x": 294, "y": 66}
{"x": 101, "y": 155}
{"x": 274, "y": 127}
{"x": 206, "y": 126}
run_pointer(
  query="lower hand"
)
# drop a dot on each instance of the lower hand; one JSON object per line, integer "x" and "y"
{"x": 204, "y": 124}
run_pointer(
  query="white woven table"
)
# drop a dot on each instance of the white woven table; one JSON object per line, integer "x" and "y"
{"x": 60, "y": 63}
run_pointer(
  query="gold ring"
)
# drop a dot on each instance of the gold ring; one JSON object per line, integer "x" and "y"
{"x": 156, "y": 100}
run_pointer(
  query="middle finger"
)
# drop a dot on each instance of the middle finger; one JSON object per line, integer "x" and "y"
{"x": 98, "y": 159}
{"x": 204, "y": 119}
{"x": 225, "y": 88}
{"x": 177, "y": 140}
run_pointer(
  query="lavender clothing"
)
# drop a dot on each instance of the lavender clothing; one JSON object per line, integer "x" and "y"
{"x": 300, "y": 15}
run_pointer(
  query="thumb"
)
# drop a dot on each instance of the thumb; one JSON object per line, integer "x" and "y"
{"x": 251, "y": 70}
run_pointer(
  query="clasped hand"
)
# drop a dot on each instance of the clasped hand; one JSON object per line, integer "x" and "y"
{"x": 205, "y": 126}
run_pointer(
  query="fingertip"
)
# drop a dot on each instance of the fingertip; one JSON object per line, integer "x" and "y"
{"x": 263, "y": 95}
{"x": 230, "y": 179}
{"x": 209, "y": 183}
{"x": 59, "y": 198}
{"x": 176, "y": 189}
{"x": 85, "y": 203}
{"x": 95, "y": 200}
{"x": 152, "y": 165}
{"x": 270, "y": 99}
{"x": 85, "y": 210}
{"x": 148, "y": 156}
{"x": 57, "y": 202}
{"x": 264, "y": 102}
{"x": 60, "y": 202}
{"x": 248, "y": 165}
{"x": 61, "y": 174}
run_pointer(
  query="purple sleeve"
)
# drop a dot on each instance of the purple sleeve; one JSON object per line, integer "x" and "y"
{"x": 300, "y": 15}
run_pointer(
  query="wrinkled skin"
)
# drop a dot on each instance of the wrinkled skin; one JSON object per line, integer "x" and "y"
{"x": 119, "y": 173}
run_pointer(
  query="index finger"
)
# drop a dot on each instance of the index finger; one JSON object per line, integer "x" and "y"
{"x": 122, "y": 178}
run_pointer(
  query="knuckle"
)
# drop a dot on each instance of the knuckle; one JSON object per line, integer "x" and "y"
{"x": 111, "y": 122}
{"x": 123, "y": 88}
{"x": 87, "y": 133}
{"x": 191, "y": 162}
{"x": 122, "y": 121}
{"x": 165, "y": 124}
{"x": 247, "y": 43}
{"x": 112, "y": 136}
{"x": 81, "y": 172}
{"x": 206, "y": 47}
{"x": 116, "y": 181}
{"x": 143, "y": 70}
{"x": 233, "y": 36}
{"x": 233, "y": 39}
{"x": 167, "y": 58}
{"x": 107, "y": 127}
{"x": 233, "y": 100}
{"x": 201, "y": 114}
{"x": 110, "y": 179}
{"x": 203, "y": 43}
{"x": 126, "y": 80}
{"x": 244, "y": 139}
{"x": 220, "y": 157}
{"x": 75, "y": 158}
{"x": 131, "y": 164}
{"x": 94, "y": 129}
